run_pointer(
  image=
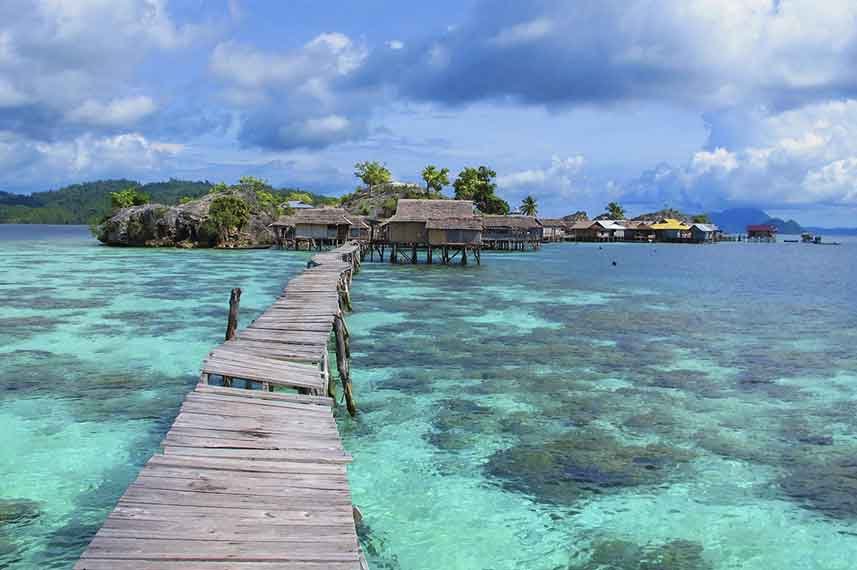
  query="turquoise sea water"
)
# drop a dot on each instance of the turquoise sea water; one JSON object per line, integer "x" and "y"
{"x": 691, "y": 407}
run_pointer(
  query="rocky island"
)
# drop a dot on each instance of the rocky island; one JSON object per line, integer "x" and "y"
{"x": 227, "y": 217}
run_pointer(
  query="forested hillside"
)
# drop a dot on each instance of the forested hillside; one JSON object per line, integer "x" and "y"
{"x": 88, "y": 202}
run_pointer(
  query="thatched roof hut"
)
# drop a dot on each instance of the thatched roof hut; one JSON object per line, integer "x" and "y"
{"x": 314, "y": 224}
{"x": 434, "y": 222}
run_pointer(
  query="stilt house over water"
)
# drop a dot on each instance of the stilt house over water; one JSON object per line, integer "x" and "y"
{"x": 762, "y": 232}
{"x": 450, "y": 228}
{"x": 554, "y": 230}
{"x": 313, "y": 228}
{"x": 515, "y": 232}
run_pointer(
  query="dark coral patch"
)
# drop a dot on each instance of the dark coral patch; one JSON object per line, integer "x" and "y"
{"x": 582, "y": 462}
{"x": 624, "y": 555}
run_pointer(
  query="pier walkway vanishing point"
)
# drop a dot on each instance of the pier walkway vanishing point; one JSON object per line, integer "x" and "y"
{"x": 252, "y": 479}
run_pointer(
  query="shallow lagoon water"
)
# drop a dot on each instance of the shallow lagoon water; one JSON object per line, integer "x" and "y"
{"x": 689, "y": 408}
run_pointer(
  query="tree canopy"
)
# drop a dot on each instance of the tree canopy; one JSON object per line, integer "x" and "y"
{"x": 228, "y": 214}
{"x": 701, "y": 219}
{"x": 615, "y": 211}
{"x": 528, "y": 206}
{"x": 435, "y": 178}
{"x": 372, "y": 173}
{"x": 127, "y": 198}
{"x": 477, "y": 184}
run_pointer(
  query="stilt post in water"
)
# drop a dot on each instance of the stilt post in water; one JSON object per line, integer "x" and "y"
{"x": 232, "y": 322}
{"x": 342, "y": 365}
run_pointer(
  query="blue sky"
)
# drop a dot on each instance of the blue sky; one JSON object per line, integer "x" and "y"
{"x": 695, "y": 104}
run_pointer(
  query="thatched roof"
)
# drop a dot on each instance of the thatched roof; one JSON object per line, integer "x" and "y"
{"x": 553, "y": 223}
{"x": 320, "y": 216}
{"x": 581, "y": 225}
{"x": 513, "y": 222}
{"x": 360, "y": 221}
{"x": 411, "y": 210}
{"x": 471, "y": 223}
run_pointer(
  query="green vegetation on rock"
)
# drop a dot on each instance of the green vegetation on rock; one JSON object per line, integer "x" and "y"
{"x": 372, "y": 173}
{"x": 227, "y": 215}
{"x": 477, "y": 184}
{"x": 127, "y": 198}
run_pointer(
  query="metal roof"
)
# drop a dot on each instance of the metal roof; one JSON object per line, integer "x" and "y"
{"x": 670, "y": 224}
{"x": 706, "y": 227}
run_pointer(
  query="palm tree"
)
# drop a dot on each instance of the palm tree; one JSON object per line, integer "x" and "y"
{"x": 616, "y": 211}
{"x": 435, "y": 178}
{"x": 529, "y": 206}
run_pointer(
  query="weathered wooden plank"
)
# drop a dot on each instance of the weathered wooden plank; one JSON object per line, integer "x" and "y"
{"x": 293, "y": 517}
{"x": 337, "y": 550}
{"x": 262, "y": 395}
{"x": 297, "y": 455}
{"x": 116, "y": 564}
{"x": 256, "y": 467}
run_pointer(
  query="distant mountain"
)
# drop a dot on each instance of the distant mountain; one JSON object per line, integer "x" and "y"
{"x": 736, "y": 220}
{"x": 578, "y": 216}
{"x": 666, "y": 213}
{"x": 88, "y": 202}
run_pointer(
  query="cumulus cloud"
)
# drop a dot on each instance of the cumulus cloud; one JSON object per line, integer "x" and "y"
{"x": 118, "y": 112}
{"x": 698, "y": 51}
{"x": 87, "y": 156}
{"x": 796, "y": 158}
{"x": 293, "y": 99}
{"x": 68, "y": 67}
{"x": 560, "y": 176}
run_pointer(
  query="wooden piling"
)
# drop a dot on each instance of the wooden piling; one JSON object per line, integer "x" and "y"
{"x": 232, "y": 321}
{"x": 342, "y": 365}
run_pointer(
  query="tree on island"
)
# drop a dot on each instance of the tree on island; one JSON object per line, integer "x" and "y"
{"x": 127, "y": 198}
{"x": 227, "y": 215}
{"x": 435, "y": 178}
{"x": 528, "y": 206}
{"x": 477, "y": 184}
{"x": 372, "y": 173}
{"x": 701, "y": 219}
{"x": 615, "y": 211}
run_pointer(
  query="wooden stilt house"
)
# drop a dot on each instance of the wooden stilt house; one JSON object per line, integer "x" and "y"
{"x": 313, "y": 228}
{"x": 515, "y": 232}
{"x": 448, "y": 228}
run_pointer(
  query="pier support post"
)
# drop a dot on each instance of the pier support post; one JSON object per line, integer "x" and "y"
{"x": 342, "y": 365}
{"x": 232, "y": 321}
{"x": 463, "y": 256}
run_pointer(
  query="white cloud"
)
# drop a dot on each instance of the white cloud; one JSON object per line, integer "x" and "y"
{"x": 560, "y": 175}
{"x": 524, "y": 32}
{"x": 27, "y": 162}
{"x": 325, "y": 57}
{"x": 719, "y": 160}
{"x": 118, "y": 112}
{"x": 67, "y": 66}
{"x": 801, "y": 157}
{"x": 327, "y": 125}
{"x": 395, "y": 44}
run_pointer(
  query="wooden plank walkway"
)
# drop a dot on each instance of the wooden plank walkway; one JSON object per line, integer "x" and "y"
{"x": 251, "y": 479}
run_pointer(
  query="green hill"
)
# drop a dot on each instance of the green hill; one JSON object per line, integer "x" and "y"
{"x": 87, "y": 202}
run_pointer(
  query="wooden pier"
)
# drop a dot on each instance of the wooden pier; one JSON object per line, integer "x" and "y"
{"x": 252, "y": 479}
